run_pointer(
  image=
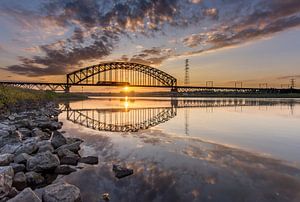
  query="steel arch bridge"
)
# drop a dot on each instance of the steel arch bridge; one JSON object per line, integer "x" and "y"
{"x": 120, "y": 74}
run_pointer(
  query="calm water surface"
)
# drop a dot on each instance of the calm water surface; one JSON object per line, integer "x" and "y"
{"x": 188, "y": 149}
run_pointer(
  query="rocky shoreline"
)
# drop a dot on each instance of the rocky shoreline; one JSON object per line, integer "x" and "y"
{"x": 33, "y": 153}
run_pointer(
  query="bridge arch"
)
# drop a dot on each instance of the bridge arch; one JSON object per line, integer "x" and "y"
{"x": 118, "y": 73}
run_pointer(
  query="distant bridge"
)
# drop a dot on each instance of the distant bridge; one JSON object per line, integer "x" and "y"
{"x": 126, "y": 74}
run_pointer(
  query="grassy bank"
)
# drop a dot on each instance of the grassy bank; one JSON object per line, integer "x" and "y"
{"x": 11, "y": 95}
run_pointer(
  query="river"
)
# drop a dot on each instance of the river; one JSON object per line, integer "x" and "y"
{"x": 205, "y": 149}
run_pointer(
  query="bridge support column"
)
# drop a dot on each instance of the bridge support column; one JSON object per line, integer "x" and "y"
{"x": 67, "y": 89}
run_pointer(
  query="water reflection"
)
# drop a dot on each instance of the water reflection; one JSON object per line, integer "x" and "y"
{"x": 171, "y": 166}
{"x": 128, "y": 118}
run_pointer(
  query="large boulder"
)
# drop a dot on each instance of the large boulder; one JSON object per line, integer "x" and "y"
{"x": 9, "y": 148}
{"x": 6, "y": 159}
{"x": 89, "y": 160}
{"x": 52, "y": 125}
{"x": 34, "y": 179}
{"x": 6, "y": 180}
{"x": 20, "y": 181}
{"x": 22, "y": 158}
{"x": 25, "y": 132}
{"x": 58, "y": 139}
{"x": 26, "y": 195}
{"x": 42, "y": 162}
{"x": 61, "y": 192}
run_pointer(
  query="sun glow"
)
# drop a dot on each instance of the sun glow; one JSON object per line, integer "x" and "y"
{"x": 126, "y": 88}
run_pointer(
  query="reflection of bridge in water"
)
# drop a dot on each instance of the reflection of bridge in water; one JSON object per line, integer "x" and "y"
{"x": 135, "y": 119}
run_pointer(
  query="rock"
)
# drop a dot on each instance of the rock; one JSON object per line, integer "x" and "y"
{"x": 26, "y": 195}
{"x": 71, "y": 140}
{"x": 89, "y": 160}
{"x": 36, "y": 132}
{"x": 64, "y": 170}
{"x": 34, "y": 178}
{"x": 7, "y": 127}
{"x": 9, "y": 148}
{"x": 52, "y": 125}
{"x": 68, "y": 157}
{"x": 105, "y": 197}
{"x": 13, "y": 192}
{"x": 42, "y": 162}
{"x": 22, "y": 158}
{"x": 25, "y": 132}
{"x": 29, "y": 148}
{"x": 46, "y": 147}
{"x": 20, "y": 181}
{"x": 17, "y": 167}
{"x": 61, "y": 192}
{"x": 7, "y": 137}
{"x": 58, "y": 139}
{"x": 121, "y": 172}
{"x": 6, "y": 159}
{"x": 11, "y": 117}
{"x": 6, "y": 180}
{"x": 74, "y": 147}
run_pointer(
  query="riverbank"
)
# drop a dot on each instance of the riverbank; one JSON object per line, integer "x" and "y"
{"x": 14, "y": 99}
{"x": 33, "y": 150}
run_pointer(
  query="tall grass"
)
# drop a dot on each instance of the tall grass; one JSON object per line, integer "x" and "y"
{"x": 13, "y": 95}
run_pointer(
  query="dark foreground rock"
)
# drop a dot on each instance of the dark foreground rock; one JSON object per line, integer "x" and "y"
{"x": 61, "y": 192}
{"x": 89, "y": 160}
{"x": 121, "y": 172}
{"x": 6, "y": 180}
{"x": 42, "y": 162}
{"x": 32, "y": 155}
{"x": 26, "y": 195}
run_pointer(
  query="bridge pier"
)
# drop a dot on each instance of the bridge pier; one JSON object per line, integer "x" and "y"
{"x": 67, "y": 89}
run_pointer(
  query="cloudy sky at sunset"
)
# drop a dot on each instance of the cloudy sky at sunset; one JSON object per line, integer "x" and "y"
{"x": 253, "y": 41}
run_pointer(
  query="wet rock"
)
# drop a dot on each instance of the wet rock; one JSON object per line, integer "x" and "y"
{"x": 58, "y": 139}
{"x": 6, "y": 159}
{"x": 121, "y": 172}
{"x": 74, "y": 147}
{"x": 71, "y": 140}
{"x": 64, "y": 169}
{"x": 22, "y": 158}
{"x": 67, "y": 157}
{"x": 17, "y": 167}
{"x": 89, "y": 160}
{"x": 105, "y": 197}
{"x": 42, "y": 162}
{"x": 26, "y": 195}
{"x": 6, "y": 180}
{"x": 61, "y": 192}
{"x": 34, "y": 178}
{"x": 11, "y": 117}
{"x": 20, "y": 181}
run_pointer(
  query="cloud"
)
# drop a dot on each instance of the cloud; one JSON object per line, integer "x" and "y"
{"x": 288, "y": 77}
{"x": 267, "y": 19}
{"x": 91, "y": 30}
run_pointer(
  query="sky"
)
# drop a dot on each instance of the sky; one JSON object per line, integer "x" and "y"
{"x": 226, "y": 41}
